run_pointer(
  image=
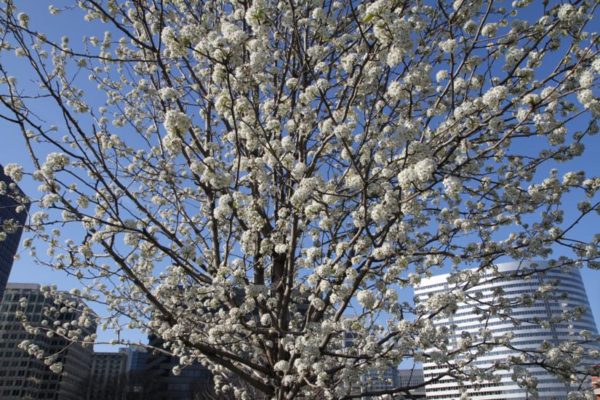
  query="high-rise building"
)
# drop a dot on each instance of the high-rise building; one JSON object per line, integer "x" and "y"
{"x": 413, "y": 377}
{"x": 371, "y": 379}
{"x": 374, "y": 380}
{"x": 135, "y": 370}
{"x": 136, "y": 357}
{"x": 527, "y": 327}
{"x": 150, "y": 376}
{"x": 13, "y": 212}
{"x": 108, "y": 378}
{"x": 23, "y": 376}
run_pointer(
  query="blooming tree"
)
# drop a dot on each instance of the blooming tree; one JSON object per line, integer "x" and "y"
{"x": 255, "y": 181}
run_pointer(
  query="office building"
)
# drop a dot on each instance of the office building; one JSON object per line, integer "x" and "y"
{"x": 135, "y": 366}
{"x": 530, "y": 326}
{"x": 13, "y": 213}
{"x": 371, "y": 378}
{"x": 108, "y": 380}
{"x": 413, "y": 377}
{"x": 150, "y": 376}
{"x": 136, "y": 357}
{"x": 137, "y": 376}
{"x": 374, "y": 379}
{"x": 23, "y": 376}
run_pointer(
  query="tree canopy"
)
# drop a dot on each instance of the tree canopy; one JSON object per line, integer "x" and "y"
{"x": 254, "y": 180}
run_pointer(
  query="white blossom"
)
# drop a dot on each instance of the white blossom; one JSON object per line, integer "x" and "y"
{"x": 55, "y": 162}
{"x": 441, "y": 75}
{"x": 281, "y": 366}
{"x": 23, "y": 19}
{"x": 366, "y": 298}
{"x": 176, "y": 122}
{"x": 57, "y": 368}
{"x": 168, "y": 93}
{"x": 448, "y": 46}
{"x": 566, "y": 12}
{"x": 493, "y": 97}
{"x": 14, "y": 171}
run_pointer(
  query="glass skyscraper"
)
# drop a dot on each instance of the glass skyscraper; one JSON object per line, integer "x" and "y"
{"x": 11, "y": 224}
{"x": 150, "y": 376}
{"x": 108, "y": 380}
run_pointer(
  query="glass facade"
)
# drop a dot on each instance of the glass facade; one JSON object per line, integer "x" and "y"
{"x": 23, "y": 376}
{"x": 150, "y": 376}
{"x": 11, "y": 222}
{"x": 108, "y": 377}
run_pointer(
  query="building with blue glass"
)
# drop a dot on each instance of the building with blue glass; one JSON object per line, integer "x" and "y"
{"x": 150, "y": 376}
{"x": 13, "y": 213}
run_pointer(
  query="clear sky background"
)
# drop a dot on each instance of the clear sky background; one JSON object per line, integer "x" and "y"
{"x": 12, "y": 150}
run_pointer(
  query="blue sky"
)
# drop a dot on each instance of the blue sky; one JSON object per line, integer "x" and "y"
{"x": 12, "y": 150}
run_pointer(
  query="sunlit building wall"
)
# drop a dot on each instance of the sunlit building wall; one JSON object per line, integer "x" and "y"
{"x": 531, "y": 326}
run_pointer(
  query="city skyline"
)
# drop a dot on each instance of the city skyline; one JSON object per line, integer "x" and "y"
{"x": 47, "y": 367}
{"x": 105, "y": 367}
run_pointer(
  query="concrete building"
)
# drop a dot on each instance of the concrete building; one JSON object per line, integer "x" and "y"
{"x": 11, "y": 224}
{"x": 531, "y": 326}
{"x": 23, "y": 376}
{"x": 108, "y": 380}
